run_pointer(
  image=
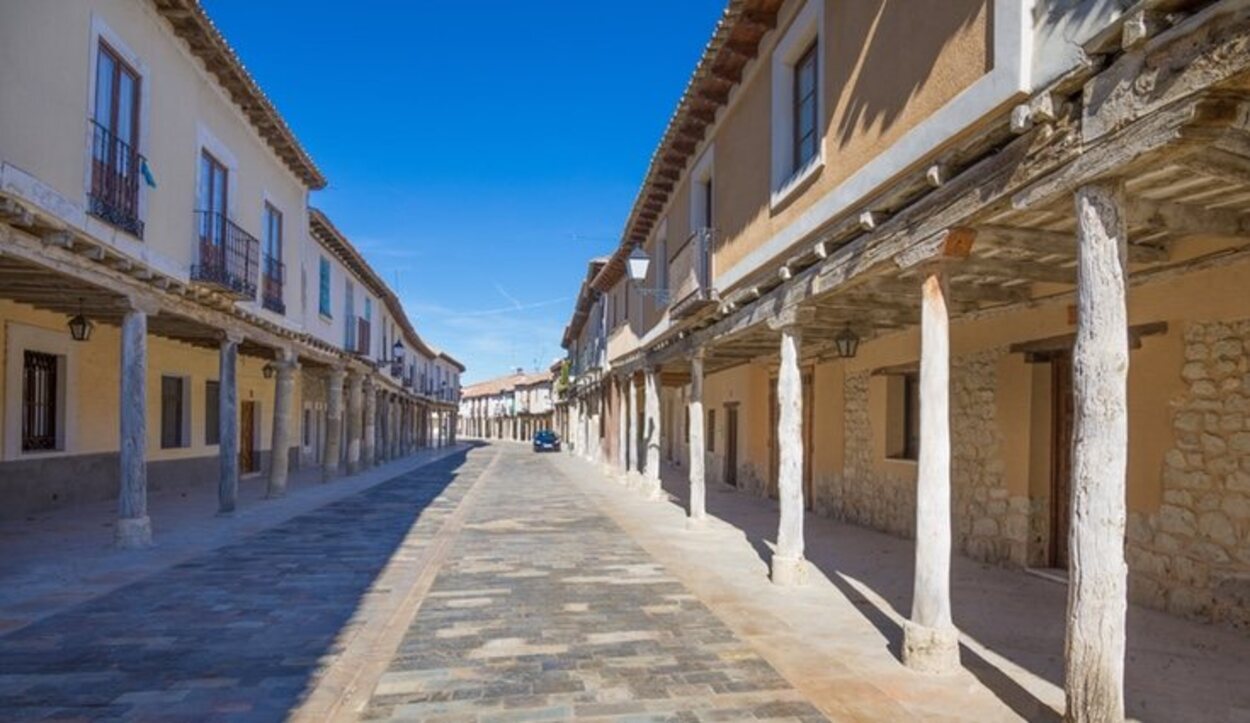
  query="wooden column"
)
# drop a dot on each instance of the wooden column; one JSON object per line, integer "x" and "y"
{"x": 622, "y": 427}
{"x": 651, "y": 408}
{"x": 283, "y": 417}
{"x": 698, "y": 485}
{"x": 355, "y": 397}
{"x": 1097, "y": 575}
{"x": 788, "y": 565}
{"x": 931, "y": 642}
{"x": 134, "y": 528}
{"x": 631, "y": 408}
{"x": 334, "y": 424}
{"x": 369, "y": 448}
{"x": 228, "y": 416}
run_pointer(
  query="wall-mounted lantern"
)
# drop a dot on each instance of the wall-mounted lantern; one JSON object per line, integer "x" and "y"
{"x": 80, "y": 326}
{"x": 847, "y": 343}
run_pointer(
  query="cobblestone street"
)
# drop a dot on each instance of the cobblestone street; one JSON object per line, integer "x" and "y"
{"x": 547, "y": 610}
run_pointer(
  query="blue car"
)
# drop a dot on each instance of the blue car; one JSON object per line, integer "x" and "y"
{"x": 546, "y": 441}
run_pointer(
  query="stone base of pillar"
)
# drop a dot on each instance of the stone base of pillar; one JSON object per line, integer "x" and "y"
{"x": 930, "y": 650}
{"x": 133, "y": 533}
{"x": 275, "y": 494}
{"x": 653, "y": 489}
{"x": 696, "y": 523}
{"x": 353, "y": 468}
{"x": 789, "y": 571}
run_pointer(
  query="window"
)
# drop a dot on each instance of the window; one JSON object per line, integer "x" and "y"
{"x": 214, "y": 191}
{"x": 796, "y": 104}
{"x": 116, "y": 162}
{"x": 273, "y": 270}
{"x": 324, "y": 291}
{"x": 39, "y": 401}
{"x": 903, "y": 416}
{"x": 349, "y": 314}
{"x": 702, "y": 192}
{"x": 711, "y": 430}
{"x": 806, "y": 134}
{"x": 212, "y": 412}
{"x": 172, "y": 409}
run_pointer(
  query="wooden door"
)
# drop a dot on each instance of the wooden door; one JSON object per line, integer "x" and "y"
{"x": 1062, "y": 416}
{"x": 731, "y": 445}
{"x": 247, "y": 426}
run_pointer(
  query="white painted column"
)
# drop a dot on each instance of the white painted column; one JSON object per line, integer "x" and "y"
{"x": 283, "y": 416}
{"x": 788, "y": 565}
{"x": 334, "y": 424}
{"x": 134, "y": 527}
{"x": 651, "y": 408}
{"x": 698, "y": 484}
{"x": 228, "y": 414}
{"x": 369, "y": 448}
{"x": 355, "y": 398}
{"x": 930, "y": 640}
{"x": 1097, "y": 575}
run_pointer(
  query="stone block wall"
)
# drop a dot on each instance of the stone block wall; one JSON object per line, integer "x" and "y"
{"x": 1192, "y": 558}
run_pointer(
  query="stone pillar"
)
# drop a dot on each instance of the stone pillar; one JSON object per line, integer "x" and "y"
{"x": 228, "y": 414}
{"x": 134, "y": 528}
{"x": 283, "y": 418}
{"x": 1097, "y": 575}
{"x": 698, "y": 487}
{"x": 355, "y": 397}
{"x": 653, "y": 430}
{"x": 393, "y": 422}
{"x": 788, "y": 565}
{"x": 334, "y": 424}
{"x": 369, "y": 440}
{"x": 930, "y": 640}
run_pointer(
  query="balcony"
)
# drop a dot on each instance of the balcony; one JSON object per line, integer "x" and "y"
{"x": 115, "y": 169}
{"x": 229, "y": 256}
{"x": 271, "y": 283}
{"x": 690, "y": 275}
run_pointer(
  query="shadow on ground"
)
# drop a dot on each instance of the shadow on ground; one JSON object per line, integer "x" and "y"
{"x": 239, "y": 630}
{"x": 1170, "y": 665}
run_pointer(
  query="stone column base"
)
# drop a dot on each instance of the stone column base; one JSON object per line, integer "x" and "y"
{"x": 789, "y": 571}
{"x": 653, "y": 489}
{"x": 133, "y": 533}
{"x": 696, "y": 523}
{"x": 930, "y": 650}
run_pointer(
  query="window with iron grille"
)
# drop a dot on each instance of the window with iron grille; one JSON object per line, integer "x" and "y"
{"x": 212, "y": 412}
{"x": 172, "y": 408}
{"x": 39, "y": 401}
{"x": 115, "y": 161}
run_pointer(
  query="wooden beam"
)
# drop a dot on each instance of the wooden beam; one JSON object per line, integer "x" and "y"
{"x": 1054, "y": 243}
{"x": 1187, "y": 220}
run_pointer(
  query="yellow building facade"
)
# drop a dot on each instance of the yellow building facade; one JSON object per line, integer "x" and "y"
{"x": 157, "y": 244}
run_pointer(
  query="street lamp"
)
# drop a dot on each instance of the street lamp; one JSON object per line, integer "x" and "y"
{"x": 397, "y": 358}
{"x": 847, "y": 343}
{"x": 268, "y": 370}
{"x": 636, "y": 268}
{"x": 80, "y": 326}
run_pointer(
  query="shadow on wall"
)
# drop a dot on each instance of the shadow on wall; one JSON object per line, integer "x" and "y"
{"x": 245, "y": 624}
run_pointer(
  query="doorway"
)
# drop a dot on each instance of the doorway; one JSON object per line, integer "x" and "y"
{"x": 1062, "y": 417}
{"x": 247, "y": 437}
{"x": 731, "y": 444}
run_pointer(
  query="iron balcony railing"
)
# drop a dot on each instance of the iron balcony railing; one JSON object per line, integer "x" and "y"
{"x": 273, "y": 279}
{"x": 690, "y": 275}
{"x": 115, "y": 169}
{"x": 229, "y": 256}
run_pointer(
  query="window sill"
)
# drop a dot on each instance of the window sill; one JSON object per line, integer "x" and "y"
{"x": 903, "y": 460}
{"x": 325, "y": 317}
{"x": 784, "y": 192}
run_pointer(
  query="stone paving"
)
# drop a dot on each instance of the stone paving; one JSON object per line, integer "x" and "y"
{"x": 236, "y": 633}
{"x": 547, "y": 610}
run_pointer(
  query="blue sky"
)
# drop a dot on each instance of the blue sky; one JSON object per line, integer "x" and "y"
{"x": 478, "y": 153}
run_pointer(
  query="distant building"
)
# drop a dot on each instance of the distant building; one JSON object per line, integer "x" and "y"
{"x": 511, "y": 407}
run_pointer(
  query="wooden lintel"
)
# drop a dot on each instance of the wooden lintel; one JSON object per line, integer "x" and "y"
{"x": 912, "y": 367}
{"x": 1184, "y": 219}
{"x": 1039, "y": 348}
